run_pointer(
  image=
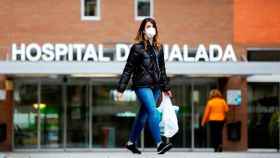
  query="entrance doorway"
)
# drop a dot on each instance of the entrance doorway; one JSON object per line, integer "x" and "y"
{"x": 83, "y": 113}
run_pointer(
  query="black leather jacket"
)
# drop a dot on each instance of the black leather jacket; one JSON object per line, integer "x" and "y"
{"x": 147, "y": 68}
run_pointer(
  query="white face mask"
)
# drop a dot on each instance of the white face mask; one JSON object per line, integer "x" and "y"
{"x": 150, "y": 32}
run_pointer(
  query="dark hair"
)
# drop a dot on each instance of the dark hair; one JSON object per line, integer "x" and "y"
{"x": 140, "y": 37}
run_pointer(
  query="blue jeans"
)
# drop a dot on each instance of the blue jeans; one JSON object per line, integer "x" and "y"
{"x": 148, "y": 111}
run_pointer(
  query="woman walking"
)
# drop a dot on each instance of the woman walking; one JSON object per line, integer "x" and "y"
{"x": 214, "y": 114}
{"x": 146, "y": 65}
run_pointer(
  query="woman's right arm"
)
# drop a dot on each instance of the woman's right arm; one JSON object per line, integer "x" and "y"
{"x": 128, "y": 69}
{"x": 226, "y": 106}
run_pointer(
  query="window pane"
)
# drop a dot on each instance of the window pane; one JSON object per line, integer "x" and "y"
{"x": 111, "y": 119}
{"x": 263, "y": 115}
{"x": 182, "y": 98}
{"x": 25, "y": 116}
{"x": 143, "y": 8}
{"x": 201, "y": 134}
{"x": 77, "y": 117}
{"x": 272, "y": 55}
{"x": 90, "y": 7}
{"x": 51, "y": 114}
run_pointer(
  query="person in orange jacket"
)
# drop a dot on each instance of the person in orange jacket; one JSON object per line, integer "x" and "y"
{"x": 215, "y": 115}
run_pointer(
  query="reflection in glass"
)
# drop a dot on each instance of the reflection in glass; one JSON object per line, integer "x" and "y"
{"x": 111, "y": 118}
{"x": 263, "y": 115}
{"x": 90, "y": 7}
{"x": 201, "y": 134}
{"x": 25, "y": 116}
{"x": 51, "y": 114}
{"x": 182, "y": 98}
{"x": 143, "y": 8}
{"x": 77, "y": 117}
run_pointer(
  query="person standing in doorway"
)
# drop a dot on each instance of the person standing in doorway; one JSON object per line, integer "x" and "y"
{"x": 215, "y": 115}
{"x": 146, "y": 65}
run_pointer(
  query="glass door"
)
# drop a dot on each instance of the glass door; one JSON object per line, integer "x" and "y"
{"x": 200, "y": 92}
{"x": 112, "y": 118}
{"x": 77, "y": 115}
{"x": 26, "y": 114}
{"x": 38, "y": 106}
{"x": 51, "y": 115}
{"x": 190, "y": 94}
{"x": 263, "y": 115}
{"x": 182, "y": 98}
{"x": 87, "y": 114}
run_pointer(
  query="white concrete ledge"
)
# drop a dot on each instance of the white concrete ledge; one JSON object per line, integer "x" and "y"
{"x": 115, "y": 68}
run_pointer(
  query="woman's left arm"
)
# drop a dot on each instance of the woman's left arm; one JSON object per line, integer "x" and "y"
{"x": 205, "y": 117}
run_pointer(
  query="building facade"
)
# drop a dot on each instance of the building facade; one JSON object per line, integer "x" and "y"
{"x": 70, "y": 104}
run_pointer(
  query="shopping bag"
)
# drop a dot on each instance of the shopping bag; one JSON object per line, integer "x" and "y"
{"x": 169, "y": 123}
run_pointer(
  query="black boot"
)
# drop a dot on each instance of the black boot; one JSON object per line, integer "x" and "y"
{"x": 220, "y": 149}
{"x": 164, "y": 147}
{"x": 133, "y": 148}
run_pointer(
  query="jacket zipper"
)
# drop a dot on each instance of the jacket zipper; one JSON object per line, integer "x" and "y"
{"x": 157, "y": 61}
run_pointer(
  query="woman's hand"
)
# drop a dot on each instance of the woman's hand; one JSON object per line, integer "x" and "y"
{"x": 202, "y": 124}
{"x": 119, "y": 96}
{"x": 168, "y": 93}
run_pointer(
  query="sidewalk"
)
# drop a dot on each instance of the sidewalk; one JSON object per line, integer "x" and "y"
{"x": 143, "y": 155}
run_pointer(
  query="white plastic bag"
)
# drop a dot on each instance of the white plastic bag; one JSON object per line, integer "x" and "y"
{"x": 169, "y": 123}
